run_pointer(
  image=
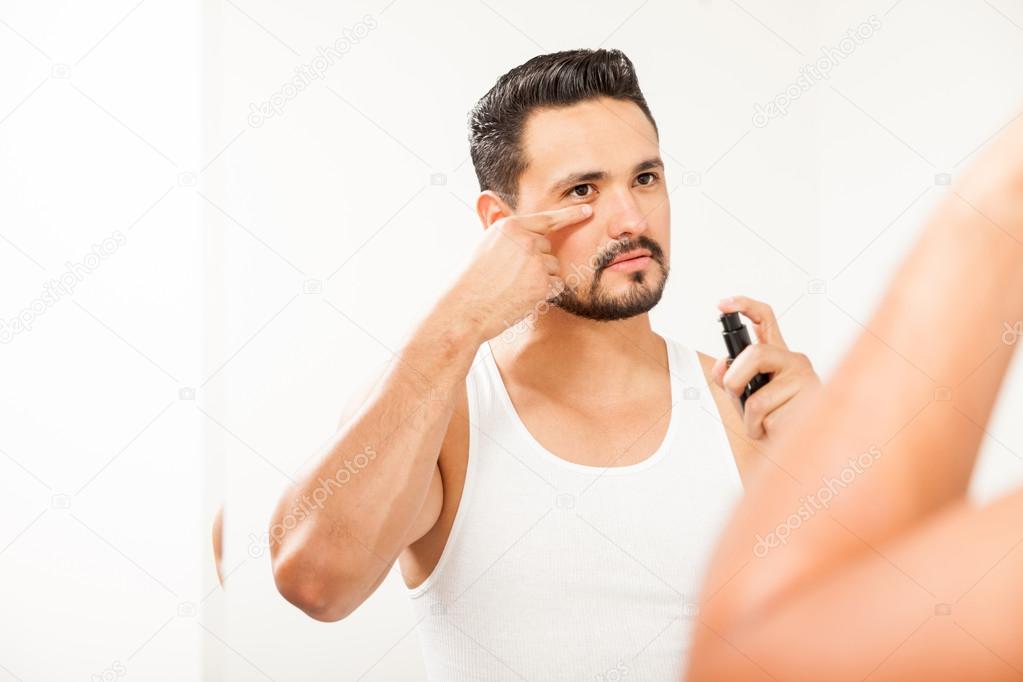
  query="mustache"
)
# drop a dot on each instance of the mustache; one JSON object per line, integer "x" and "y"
{"x": 629, "y": 244}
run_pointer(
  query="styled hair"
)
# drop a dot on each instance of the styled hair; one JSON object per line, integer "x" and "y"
{"x": 553, "y": 80}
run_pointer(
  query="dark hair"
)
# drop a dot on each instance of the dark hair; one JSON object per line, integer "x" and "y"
{"x": 551, "y": 80}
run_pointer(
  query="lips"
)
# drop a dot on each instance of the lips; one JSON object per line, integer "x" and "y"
{"x": 629, "y": 255}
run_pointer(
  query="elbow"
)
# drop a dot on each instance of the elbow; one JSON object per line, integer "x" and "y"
{"x": 312, "y": 590}
{"x": 313, "y": 575}
{"x": 313, "y": 584}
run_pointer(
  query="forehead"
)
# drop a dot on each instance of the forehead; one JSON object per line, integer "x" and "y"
{"x": 602, "y": 134}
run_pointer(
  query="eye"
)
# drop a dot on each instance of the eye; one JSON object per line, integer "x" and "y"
{"x": 652, "y": 177}
{"x": 575, "y": 193}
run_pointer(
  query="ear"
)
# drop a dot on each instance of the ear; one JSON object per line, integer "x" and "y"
{"x": 490, "y": 207}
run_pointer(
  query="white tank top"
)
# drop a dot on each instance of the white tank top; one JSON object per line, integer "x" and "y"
{"x": 561, "y": 571}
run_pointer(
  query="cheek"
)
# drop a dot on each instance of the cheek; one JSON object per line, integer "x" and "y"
{"x": 575, "y": 255}
{"x": 657, "y": 208}
{"x": 659, "y": 225}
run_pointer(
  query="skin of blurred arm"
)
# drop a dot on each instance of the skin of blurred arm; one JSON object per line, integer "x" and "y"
{"x": 799, "y": 589}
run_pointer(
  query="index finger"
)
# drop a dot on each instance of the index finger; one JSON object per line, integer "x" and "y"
{"x": 760, "y": 358}
{"x": 764, "y": 322}
{"x": 548, "y": 221}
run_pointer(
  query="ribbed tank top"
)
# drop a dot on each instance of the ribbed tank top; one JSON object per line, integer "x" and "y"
{"x": 555, "y": 570}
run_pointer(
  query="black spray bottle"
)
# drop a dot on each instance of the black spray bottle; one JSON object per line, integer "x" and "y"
{"x": 736, "y": 338}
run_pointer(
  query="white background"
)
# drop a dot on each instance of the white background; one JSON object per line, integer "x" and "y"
{"x": 268, "y": 269}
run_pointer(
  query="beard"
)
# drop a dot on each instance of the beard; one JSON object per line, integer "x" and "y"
{"x": 593, "y": 301}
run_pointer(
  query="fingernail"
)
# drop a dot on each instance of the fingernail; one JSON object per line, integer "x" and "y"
{"x": 727, "y": 300}
{"x": 587, "y": 209}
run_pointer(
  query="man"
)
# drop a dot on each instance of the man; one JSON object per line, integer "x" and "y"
{"x": 550, "y": 491}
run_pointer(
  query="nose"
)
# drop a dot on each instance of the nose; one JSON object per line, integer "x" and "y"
{"x": 625, "y": 217}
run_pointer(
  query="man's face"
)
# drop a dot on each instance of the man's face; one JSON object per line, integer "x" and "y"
{"x": 602, "y": 152}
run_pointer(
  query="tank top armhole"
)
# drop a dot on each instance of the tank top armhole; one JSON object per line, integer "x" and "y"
{"x": 472, "y": 400}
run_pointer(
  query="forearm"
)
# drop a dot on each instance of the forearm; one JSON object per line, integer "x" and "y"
{"x": 342, "y": 525}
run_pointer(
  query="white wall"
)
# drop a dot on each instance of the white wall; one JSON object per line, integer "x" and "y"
{"x": 104, "y": 543}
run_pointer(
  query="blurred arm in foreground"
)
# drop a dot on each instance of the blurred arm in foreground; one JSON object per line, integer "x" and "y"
{"x": 858, "y": 554}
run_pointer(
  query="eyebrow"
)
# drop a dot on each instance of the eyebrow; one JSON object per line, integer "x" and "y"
{"x": 592, "y": 176}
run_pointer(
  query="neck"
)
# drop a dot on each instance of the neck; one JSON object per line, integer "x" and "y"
{"x": 563, "y": 353}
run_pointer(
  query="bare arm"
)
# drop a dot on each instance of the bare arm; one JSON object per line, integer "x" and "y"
{"x": 801, "y": 589}
{"x": 376, "y": 488}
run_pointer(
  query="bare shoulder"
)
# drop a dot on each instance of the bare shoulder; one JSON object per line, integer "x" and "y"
{"x": 720, "y": 398}
{"x": 744, "y": 449}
